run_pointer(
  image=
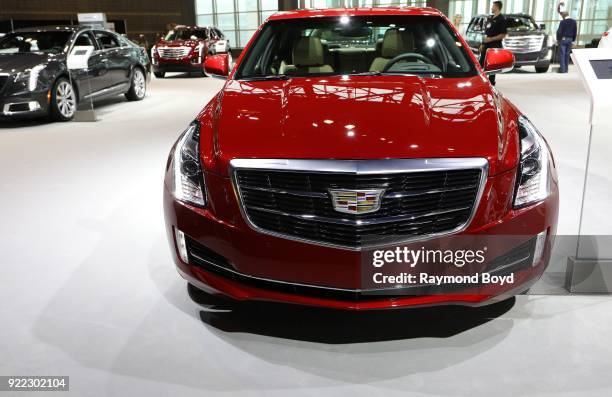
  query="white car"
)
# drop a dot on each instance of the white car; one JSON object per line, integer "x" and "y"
{"x": 606, "y": 39}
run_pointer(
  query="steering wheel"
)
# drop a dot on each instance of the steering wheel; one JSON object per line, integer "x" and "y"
{"x": 408, "y": 55}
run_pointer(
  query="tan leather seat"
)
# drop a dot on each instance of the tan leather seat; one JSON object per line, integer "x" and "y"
{"x": 394, "y": 43}
{"x": 308, "y": 57}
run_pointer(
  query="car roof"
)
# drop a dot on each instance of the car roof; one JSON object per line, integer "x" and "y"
{"x": 63, "y": 28}
{"x": 191, "y": 27}
{"x": 514, "y": 14}
{"x": 338, "y": 12}
{"x": 58, "y": 28}
{"x": 518, "y": 14}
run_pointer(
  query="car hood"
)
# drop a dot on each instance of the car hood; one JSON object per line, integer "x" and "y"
{"x": 525, "y": 33}
{"x": 14, "y": 63}
{"x": 363, "y": 117}
{"x": 178, "y": 43}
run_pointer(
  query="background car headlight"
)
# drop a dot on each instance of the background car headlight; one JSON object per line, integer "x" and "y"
{"x": 187, "y": 170}
{"x": 533, "y": 179}
{"x": 30, "y": 77}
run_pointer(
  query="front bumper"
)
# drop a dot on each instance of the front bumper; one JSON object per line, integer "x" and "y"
{"x": 183, "y": 65}
{"x": 539, "y": 58}
{"x": 238, "y": 262}
{"x": 24, "y": 104}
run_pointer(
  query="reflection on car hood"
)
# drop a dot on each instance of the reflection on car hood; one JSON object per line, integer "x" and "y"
{"x": 365, "y": 117}
{"x": 15, "y": 63}
{"x": 513, "y": 32}
{"x": 178, "y": 43}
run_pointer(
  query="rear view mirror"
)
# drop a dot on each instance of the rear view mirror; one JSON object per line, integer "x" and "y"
{"x": 217, "y": 65}
{"x": 542, "y": 26}
{"x": 498, "y": 61}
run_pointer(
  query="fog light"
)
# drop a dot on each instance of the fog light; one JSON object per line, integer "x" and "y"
{"x": 33, "y": 105}
{"x": 181, "y": 245}
{"x": 539, "y": 247}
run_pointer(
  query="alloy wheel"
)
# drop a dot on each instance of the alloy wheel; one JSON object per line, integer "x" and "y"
{"x": 65, "y": 99}
{"x": 139, "y": 83}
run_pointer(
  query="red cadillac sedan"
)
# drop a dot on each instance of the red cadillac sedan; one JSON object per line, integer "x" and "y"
{"x": 360, "y": 159}
{"x": 185, "y": 48}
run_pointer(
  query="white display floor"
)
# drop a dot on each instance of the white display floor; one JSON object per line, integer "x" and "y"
{"x": 88, "y": 288}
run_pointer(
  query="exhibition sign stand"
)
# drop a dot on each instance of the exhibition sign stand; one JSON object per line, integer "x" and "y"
{"x": 78, "y": 62}
{"x": 590, "y": 271}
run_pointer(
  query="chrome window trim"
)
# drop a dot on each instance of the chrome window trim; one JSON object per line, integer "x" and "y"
{"x": 361, "y": 167}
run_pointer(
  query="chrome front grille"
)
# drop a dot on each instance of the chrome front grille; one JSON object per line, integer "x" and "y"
{"x": 173, "y": 52}
{"x": 422, "y": 198}
{"x": 524, "y": 44}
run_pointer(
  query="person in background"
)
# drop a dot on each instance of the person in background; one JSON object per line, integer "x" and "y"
{"x": 495, "y": 32}
{"x": 566, "y": 35}
{"x": 457, "y": 19}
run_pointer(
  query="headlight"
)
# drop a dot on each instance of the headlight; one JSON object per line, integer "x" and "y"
{"x": 533, "y": 180}
{"x": 30, "y": 77}
{"x": 549, "y": 41}
{"x": 187, "y": 171}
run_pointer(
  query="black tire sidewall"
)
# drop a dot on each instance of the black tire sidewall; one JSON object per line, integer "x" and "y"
{"x": 131, "y": 94}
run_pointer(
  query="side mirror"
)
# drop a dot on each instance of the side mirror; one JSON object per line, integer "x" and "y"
{"x": 498, "y": 61}
{"x": 217, "y": 65}
{"x": 542, "y": 26}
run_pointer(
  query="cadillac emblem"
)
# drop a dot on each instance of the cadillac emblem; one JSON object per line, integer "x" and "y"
{"x": 356, "y": 201}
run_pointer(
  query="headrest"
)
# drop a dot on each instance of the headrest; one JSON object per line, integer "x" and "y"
{"x": 397, "y": 42}
{"x": 308, "y": 51}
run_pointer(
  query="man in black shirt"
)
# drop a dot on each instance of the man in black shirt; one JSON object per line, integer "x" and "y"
{"x": 566, "y": 35}
{"x": 495, "y": 32}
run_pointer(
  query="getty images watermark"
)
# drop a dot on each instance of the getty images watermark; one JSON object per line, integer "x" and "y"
{"x": 404, "y": 257}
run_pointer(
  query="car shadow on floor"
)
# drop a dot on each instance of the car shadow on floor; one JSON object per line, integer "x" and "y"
{"x": 24, "y": 123}
{"x": 182, "y": 76}
{"x": 320, "y": 325}
{"x": 101, "y": 107}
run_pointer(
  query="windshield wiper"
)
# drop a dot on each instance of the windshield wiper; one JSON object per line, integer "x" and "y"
{"x": 398, "y": 73}
{"x": 266, "y": 78}
{"x": 372, "y": 73}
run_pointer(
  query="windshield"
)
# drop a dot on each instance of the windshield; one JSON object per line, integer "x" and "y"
{"x": 357, "y": 45}
{"x": 520, "y": 23}
{"x": 47, "y": 42}
{"x": 186, "y": 34}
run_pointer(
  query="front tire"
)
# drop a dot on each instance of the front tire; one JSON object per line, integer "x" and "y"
{"x": 542, "y": 69}
{"x": 63, "y": 100}
{"x": 138, "y": 88}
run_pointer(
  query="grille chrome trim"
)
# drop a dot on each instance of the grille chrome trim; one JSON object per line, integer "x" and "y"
{"x": 360, "y": 167}
{"x": 524, "y": 44}
{"x": 362, "y": 222}
{"x": 173, "y": 52}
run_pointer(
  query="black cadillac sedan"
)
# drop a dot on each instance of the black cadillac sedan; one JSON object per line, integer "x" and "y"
{"x": 35, "y": 79}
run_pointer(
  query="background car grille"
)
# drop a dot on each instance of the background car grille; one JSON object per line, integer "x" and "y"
{"x": 521, "y": 44}
{"x": 298, "y": 204}
{"x": 174, "y": 52}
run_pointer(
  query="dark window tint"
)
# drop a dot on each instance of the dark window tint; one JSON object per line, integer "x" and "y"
{"x": 520, "y": 23}
{"x": 186, "y": 34}
{"x": 84, "y": 39}
{"x": 107, "y": 40}
{"x": 396, "y": 44}
{"x": 48, "y": 42}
